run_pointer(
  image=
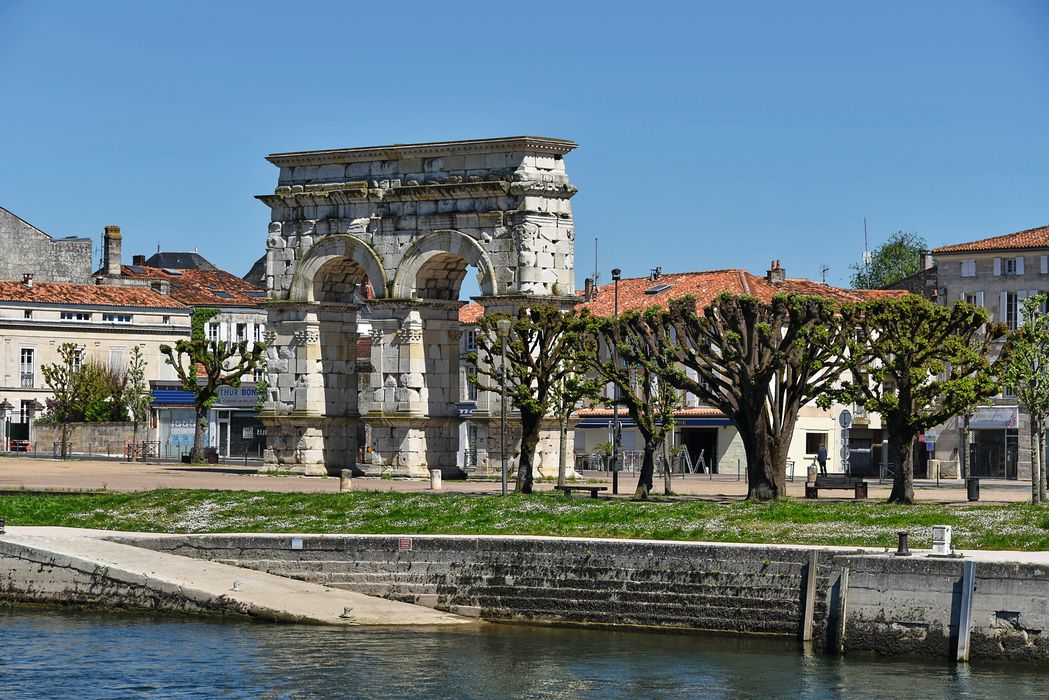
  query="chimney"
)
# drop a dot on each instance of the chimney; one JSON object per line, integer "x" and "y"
{"x": 776, "y": 274}
{"x": 27, "y": 279}
{"x": 656, "y": 273}
{"x": 927, "y": 261}
{"x": 111, "y": 251}
{"x": 588, "y": 289}
{"x": 139, "y": 260}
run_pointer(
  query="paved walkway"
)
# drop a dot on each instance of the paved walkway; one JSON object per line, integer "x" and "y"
{"x": 48, "y": 474}
{"x": 254, "y": 593}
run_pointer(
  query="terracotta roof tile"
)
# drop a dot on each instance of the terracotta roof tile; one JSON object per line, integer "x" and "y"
{"x": 200, "y": 287}
{"x": 471, "y": 313}
{"x": 1031, "y": 238}
{"x": 87, "y": 295}
{"x": 705, "y": 286}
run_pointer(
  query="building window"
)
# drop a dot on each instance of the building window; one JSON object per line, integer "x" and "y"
{"x": 211, "y": 331}
{"x": 968, "y": 268}
{"x": 242, "y": 332}
{"x": 116, "y": 358}
{"x": 970, "y": 299}
{"x": 471, "y": 340}
{"x": 116, "y": 318}
{"x": 75, "y": 316}
{"x": 165, "y": 320}
{"x": 256, "y": 332}
{"x": 1010, "y": 311}
{"x": 471, "y": 388}
{"x": 28, "y": 313}
{"x": 27, "y": 365}
{"x": 813, "y": 442}
{"x": 78, "y": 359}
{"x": 1010, "y": 266}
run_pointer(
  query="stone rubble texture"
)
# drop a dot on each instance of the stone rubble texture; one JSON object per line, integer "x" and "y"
{"x": 384, "y": 235}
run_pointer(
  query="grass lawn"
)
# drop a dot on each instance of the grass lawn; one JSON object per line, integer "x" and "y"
{"x": 1013, "y": 526}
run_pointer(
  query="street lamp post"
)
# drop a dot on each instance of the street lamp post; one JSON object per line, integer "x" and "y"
{"x": 615, "y": 393}
{"x": 5, "y": 411}
{"x": 503, "y": 329}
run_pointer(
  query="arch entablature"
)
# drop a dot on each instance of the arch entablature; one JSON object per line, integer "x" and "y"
{"x": 449, "y": 244}
{"x": 328, "y": 251}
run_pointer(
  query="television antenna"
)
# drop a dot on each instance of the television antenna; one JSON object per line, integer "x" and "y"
{"x": 823, "y": 271}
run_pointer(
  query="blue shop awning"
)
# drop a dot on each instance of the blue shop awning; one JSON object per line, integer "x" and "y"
{"x": 172, "y": 397}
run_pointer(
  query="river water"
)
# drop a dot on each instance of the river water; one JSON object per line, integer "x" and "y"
{"x": 61, "y": 654}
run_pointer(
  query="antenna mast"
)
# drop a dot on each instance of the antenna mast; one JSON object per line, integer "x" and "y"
{"x": 823, "y": 271}
{"x": 866, "y": 250}
{"x": 597, "y": 270}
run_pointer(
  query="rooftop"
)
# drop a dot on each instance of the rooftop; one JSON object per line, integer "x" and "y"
{"x": 86, "y": 295}
{"x": 200, "y": 287}
{"x": 180, "y": 261}
{"x": 640, "y": 293}
{"x": 423, "y": 150}
{"x": 1021, "y": 240}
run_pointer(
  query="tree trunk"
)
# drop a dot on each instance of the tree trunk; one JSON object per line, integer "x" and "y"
{"x": 1041, "y": 460}
{"x": 530, "y": 425}
{"x": 561, "y": 456}
{"x": 65, "y": 439}
{"x": 963, "y": 448}
{"x": 196, "y": 455}
{"x": 648, "y": 468}
{"x": 1036, "y": 472}
{"x": 766, "y": 468}
{"x": 134, "y": 439}
{"x": 668, "y": 471}
{"x": 901, "y": 447}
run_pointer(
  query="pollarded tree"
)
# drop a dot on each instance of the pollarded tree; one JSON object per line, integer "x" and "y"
{"x": 224, "y": 364}
{"x": 649, "y": 400}
{"x": 1027, "y": 374}
{"x": 544, "y": 346}
{"x": 757, "y": 362}
{"x": 917, "y": 364}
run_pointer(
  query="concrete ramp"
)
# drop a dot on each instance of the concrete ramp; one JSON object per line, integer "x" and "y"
{"x": 54, "y": 565}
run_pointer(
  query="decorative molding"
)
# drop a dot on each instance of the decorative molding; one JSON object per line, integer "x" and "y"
{"x": 424, "y": 150}
{"x": 376, "y": 334}
{"x": 310, "y": 336}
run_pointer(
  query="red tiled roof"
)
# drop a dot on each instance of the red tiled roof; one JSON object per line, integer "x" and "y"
{"x": 704, "y": 286}
{"x": 471, "y": 313}
{"x": 1031, "y": 238}
{"x": 199, "y": 287}
{"x": 87, "y": 295}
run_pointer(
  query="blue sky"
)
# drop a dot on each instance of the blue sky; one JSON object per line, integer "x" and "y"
{"x": 711, "y": 135}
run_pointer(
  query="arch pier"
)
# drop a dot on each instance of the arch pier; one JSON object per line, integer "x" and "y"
{"x": 366, "y": 255}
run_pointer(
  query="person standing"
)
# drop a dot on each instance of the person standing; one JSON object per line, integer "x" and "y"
{"x": 821, "y": 457}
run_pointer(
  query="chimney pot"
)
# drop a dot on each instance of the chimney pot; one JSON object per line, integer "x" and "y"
{"x": 776, "y": 274}
{"x": 27, "y": 280}
{"x": 138, "y": 260}
{"x": 111, "y": 251}
{"x": 588, "y": 289}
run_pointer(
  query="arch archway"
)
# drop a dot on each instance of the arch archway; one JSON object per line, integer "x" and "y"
{"x": 435, "y": 264}
{"x": 333, "y": 266}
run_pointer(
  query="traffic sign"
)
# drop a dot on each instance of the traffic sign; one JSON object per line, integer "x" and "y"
{"x": 845, "y": 452}
{"x": 845, "y": 418}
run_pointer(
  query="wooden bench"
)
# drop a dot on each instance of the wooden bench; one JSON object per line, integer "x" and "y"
{"x": 837, "y": 481}
{"x": 592, "y": 489}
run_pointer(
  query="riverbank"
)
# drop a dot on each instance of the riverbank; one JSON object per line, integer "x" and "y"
{"x": 831, "y": 523}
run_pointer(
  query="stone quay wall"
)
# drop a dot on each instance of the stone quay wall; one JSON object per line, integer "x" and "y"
{"x": 893, "y": 605}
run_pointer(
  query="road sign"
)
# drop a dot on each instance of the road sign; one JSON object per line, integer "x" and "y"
{"x": 844, "y": 452}
{"x": 845, "y": 418}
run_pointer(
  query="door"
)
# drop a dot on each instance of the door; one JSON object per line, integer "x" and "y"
{"x": 702, "y": 447}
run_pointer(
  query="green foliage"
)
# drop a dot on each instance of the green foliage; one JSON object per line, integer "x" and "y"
{"x": 897, "y": 258}
{"x": 224, "y": 364}
{"x": 1027, "y": 375}
{"x": 199, "y": 320}
{"x": 758, "y": 362}
{"x": 544, "y": 347}
{"x": 917, "y": 364}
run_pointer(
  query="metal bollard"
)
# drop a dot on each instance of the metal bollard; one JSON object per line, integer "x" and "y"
{"x": 345, "y": 480}
{"x": 435, "y": 479}
{"x": 901, "y": 549}
{"x": 972, "y": 489}
{"x": 3, "y": 524}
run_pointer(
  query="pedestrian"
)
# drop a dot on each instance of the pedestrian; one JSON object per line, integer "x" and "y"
{"x": 821, "y": 457}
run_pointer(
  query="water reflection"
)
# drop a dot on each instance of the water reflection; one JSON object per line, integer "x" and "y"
{"x": 61, "y": 654}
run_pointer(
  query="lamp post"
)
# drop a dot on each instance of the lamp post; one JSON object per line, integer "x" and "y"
{"x": 615, "y": 393}
{"x": 5, "y": 411}
{"x": 503, "y": 330}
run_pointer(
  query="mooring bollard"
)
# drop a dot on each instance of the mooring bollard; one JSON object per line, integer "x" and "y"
{"x": 435, "y": 479}
{"x": 901, "y": 548}
{"x": 345, "y": 480}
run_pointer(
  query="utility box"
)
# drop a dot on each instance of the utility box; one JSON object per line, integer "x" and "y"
{"x": 941, "y": 539}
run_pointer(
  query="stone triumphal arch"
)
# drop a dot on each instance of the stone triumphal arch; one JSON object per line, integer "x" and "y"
{"x": 366, "y": 254}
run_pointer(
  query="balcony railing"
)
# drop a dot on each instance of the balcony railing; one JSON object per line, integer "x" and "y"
{"x": 27, "y": 380}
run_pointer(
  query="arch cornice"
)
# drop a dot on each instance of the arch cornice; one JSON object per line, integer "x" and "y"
{"x": 333, "y": 247}
{"x": 434, "y": 243}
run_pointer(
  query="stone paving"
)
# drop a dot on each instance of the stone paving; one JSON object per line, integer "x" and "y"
{"x": 48, "y": 474}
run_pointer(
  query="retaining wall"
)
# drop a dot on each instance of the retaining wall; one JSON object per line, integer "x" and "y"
{"x": 893, "y": 605}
